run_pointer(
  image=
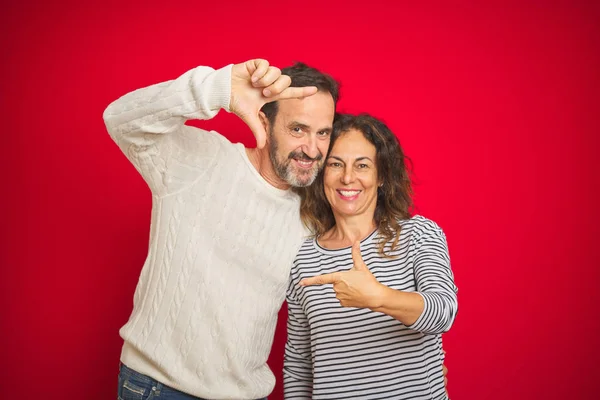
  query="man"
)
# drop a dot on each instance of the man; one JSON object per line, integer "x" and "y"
{"x": 225, "y": 226}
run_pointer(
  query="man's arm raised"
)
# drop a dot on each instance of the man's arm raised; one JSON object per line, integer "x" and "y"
{"x": 148, "y": 124}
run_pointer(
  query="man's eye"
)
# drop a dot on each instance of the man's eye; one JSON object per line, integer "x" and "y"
{"x": 323, "y": 133}
{"x": 297, "y": 129}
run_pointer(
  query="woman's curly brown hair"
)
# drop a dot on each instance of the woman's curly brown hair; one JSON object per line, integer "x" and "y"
{"x": 394, "y": 197}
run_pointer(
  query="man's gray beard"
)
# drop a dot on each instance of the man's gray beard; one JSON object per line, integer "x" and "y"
{"x": 285, "y": 170}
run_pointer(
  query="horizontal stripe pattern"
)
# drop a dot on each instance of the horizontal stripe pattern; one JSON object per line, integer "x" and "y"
{"x": 334, "y": 352}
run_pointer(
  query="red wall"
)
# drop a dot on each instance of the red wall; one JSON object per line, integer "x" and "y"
{"x": 497, "y": 104}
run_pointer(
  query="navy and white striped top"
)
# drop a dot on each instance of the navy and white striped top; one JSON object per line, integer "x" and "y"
{"x": 338, "y": 353}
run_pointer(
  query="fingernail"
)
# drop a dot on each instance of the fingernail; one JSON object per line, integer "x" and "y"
{"x": 254, "y": 79}
{"x": 267, "y": 92}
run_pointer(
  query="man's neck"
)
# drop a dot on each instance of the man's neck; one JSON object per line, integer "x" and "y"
{"x": 262, "y": 162}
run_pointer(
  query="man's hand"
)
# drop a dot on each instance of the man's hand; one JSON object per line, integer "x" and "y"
{"x": 255, "y": 83}
{"x": 357, "y": 287}
{"x": 445, "y": 373}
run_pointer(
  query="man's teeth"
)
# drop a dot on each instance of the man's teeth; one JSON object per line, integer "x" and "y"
{"x": 305, "y": 163}
{"x": 349, "y": 193}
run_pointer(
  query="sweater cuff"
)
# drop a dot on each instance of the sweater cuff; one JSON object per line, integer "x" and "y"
{"x": 217, "y": 84}
{"x": 423, "y": 318}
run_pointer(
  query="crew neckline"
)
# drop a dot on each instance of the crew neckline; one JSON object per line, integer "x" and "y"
{"x": 341, "y": 250}
{"x": 272, "y": 189}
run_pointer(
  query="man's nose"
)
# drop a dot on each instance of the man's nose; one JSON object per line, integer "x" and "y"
{"x": 309, "y": 147}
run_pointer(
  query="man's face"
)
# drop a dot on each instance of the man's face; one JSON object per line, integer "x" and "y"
{"x": 299, "y": 138}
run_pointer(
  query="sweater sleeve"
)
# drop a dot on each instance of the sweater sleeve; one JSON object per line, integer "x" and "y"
{"x": 149, "y": 126}
{"x": 297, "y": 361}
{"x": 434, "y": 280}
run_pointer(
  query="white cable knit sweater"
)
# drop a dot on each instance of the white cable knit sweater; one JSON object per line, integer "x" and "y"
{"x": 222, "y": 242}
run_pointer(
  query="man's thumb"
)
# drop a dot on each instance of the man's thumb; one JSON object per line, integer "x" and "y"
{"x": 257, "y": 129}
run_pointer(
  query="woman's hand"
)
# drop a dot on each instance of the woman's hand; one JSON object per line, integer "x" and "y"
{"x": 357, "y": 287}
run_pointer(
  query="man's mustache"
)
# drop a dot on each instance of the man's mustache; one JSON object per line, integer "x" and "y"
{"x": 300, "y": 155}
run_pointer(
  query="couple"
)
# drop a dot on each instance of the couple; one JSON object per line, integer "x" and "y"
{"x": 226, "y": 228}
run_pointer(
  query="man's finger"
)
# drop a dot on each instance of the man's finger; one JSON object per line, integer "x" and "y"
{"x": 359, "y": 264}
{"x": 321, "y": 279}
{"x": 445, "y": 373}
{"x": 281, "y": 83}
{"x": 272, "y": 74}
{"x": 257, "y": 68}
{"x": 295, "y": 93}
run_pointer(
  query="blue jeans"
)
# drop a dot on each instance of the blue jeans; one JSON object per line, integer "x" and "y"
{"x": 136, "y": 386}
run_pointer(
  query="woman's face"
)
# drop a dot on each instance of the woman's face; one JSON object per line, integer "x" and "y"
{"x": 350, "y": 178}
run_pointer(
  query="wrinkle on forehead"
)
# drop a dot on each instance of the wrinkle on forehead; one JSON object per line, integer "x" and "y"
{"x": 315, "y": 112}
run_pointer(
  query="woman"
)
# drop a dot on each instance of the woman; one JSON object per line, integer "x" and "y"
{"x": 372, "y": 292}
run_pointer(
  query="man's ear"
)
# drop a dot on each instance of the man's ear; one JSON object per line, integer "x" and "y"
{"x": 265, "y": 123}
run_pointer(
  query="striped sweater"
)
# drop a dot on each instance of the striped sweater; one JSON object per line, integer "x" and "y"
{"x": 334, "y": 352}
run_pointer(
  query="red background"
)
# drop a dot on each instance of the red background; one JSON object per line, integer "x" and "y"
{"x": 497, "y": 105}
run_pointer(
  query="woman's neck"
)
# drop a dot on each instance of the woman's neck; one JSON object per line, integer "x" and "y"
{"x": 347, "y": 231}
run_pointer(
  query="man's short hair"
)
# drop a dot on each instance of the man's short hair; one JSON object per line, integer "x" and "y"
{"x": 303, "y": 75}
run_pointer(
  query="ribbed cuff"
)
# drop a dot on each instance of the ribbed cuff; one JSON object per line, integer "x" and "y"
{"x": 212, "y": 90}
